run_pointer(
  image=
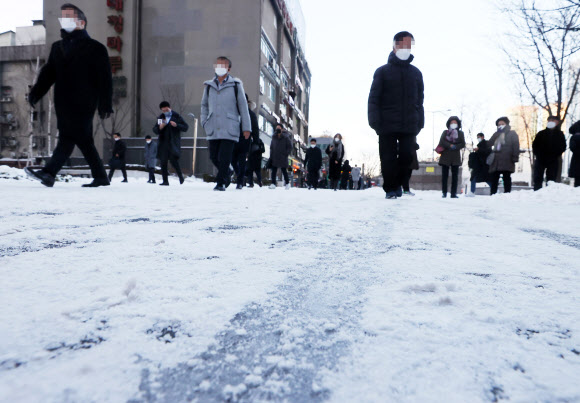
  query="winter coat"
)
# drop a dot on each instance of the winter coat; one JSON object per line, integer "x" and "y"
{"x": 575, "y": 149}
{"x": 395, "y": 102}
{"x": 355, "y": 172}
{"x": 549, "y": 145}
{"x": 478, "y": 164}
{"x": 280, "y": 150}
{"x": 346, "y": 168}
{"x": 505, "y": 159}
{"x": 451, "y": 157}
{"x": 313, "y": 159}
{"x": 221, "y": 113}
{"x": 79, "y": 68}
{"x": 151, "y": 154}
{"x": 169, "y": 142}
{"x": 255, "y": 126}
{"x": 334, "y": 162}
{"x": 119, "y": 150}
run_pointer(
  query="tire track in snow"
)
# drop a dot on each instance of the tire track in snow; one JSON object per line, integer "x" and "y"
{"x": 278, "y": 349}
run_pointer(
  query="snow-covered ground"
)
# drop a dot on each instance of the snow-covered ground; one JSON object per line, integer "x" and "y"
{"x": 146, "y": 294}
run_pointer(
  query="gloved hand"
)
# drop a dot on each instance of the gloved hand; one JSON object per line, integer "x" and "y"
{"x": 32, "y": 100}
{"x": 105, "y": 115}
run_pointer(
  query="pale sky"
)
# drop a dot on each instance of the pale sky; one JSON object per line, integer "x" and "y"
{"x": 456, "y": 50}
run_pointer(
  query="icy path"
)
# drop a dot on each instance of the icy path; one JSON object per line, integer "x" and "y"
{"x": 144, "y": 294}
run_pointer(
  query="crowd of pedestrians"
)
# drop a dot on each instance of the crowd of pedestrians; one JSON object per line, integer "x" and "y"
{"x": 79, "y": 69}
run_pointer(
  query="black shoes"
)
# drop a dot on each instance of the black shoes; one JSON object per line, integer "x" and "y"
{"x": 150, "y": 181}
{"x": 97, "y": 183}
{"x": 454, "y": 197}
{"x": 181, "y": 180}
{"x": 260, "y": 184}
{"x": 399, "y": 192}
{"x": 219, "y": 188}
{"x": 239, "y": 187}
{"x": 164, "y": 184}
{"x": 43, "y": 177}
{"x": 124, "y": 181}
{"x": 444, "y": 196}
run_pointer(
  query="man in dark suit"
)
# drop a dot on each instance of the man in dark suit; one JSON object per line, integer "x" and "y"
{"x": 118, "y": 158}
{"x": 169, "y": 127}
{"x": 79, "y": 69}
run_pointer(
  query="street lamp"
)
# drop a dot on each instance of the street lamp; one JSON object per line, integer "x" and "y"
{"x": 433, "y": 113}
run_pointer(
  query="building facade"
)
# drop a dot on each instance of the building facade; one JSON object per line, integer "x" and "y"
{"x": 24, "y": 132}
{"x": 166, "y": 50}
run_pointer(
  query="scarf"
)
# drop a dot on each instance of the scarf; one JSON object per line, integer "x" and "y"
{"x": 452, "y": 136}
{"x": 337, "y": 152}
{"x": 500, "y": 140}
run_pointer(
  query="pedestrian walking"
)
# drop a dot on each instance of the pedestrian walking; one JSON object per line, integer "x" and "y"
{"x": 257, "y": 149}
{"x": 356, "y": 172}
{"x": 549, "y": 145}
{"x": 79, "y": 69}
{"x": 150, "y": 157}
{"x": 345, "y": 176}
{"x": 450, "y": 145}
{"x": 395, "y": 112}
{"x": 169, "y": 127}
{"x": 118, "y": 159}
{"x": 335, "y": 152}
{"x": 313, "y": 164}
{"x": 574, "y": 171}
{"x": 280, "y": 150}
{"x": 414, "y": 167}
{"x": 224, "y": 115}
{"x": 505, "y": 153}
{"x": 242, "y": 148}
{"x": 478, "y": 165}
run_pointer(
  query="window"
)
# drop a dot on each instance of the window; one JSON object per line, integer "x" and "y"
{"x": 272, "y": 94}
{"x": 262, "y": 83}
{"x": 265, "y": 125}
{"x": 268, "y": 51}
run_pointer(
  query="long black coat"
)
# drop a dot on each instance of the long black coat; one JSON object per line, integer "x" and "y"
{"x": 169, "y": 143}
{"x": 79, "y": 68}
{"x": 313, "y": 159}
{"x": 477, "y": 162}
{"x": 334, "y": 162}
{"x": 549, "y": 145}
{"x": 280, "y": 150}
{"x": 575, "y": 148}
{"x": 396, "y": 98}
{"x": 119, "y": 150}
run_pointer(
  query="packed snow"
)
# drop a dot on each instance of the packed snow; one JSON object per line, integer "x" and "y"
{"x": 138, "y": 293}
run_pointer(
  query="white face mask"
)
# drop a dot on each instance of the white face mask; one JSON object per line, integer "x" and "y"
{"x": 148, "y": 141}
{"x": 221, "y": 71}
{"x": 117, "y": 139}
{"x": 551, "y": 125}
{"x": 68, "y": 24}
{"x": 403, "y": 54}
{"x": 337, "y": 141}
{"x": 479, "y": 140}
{"x": 453, "y": 126}
{"x": 501, "y": 127}
{"x": 312, "y": 145}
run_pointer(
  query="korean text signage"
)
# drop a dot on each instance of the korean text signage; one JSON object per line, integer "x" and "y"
{"x": 115, "y": 43}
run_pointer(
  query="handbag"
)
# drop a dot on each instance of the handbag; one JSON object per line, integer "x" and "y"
{"x": 490, "y": 158}
{"x": 115, "y": 163}
{"x": 440, "y": 149}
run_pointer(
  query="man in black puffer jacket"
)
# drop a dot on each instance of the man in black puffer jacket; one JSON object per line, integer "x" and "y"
{"x": 395, "y": 112}
{"x": 79, "y": 68}
{"x": 548, "y": 146}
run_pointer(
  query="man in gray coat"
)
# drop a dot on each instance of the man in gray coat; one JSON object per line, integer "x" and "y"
{"x": 223, "y": 110}
{"x": 150, "y": 158}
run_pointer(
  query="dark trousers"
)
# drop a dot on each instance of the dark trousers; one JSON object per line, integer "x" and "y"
{"x": 123, "y": 170}
{"x": 397, "y": 151}
{"x": 507, "y": 181}
{"x": 551, "y": 170}
{"x": 250, "y": 175}
{"x": 313, "y": 178}
{"x": 407, "y": 181}
{"x": 165, "y": 168}
{"x": 65, "y": 147}
{"x": 151, "y": 174}
{"x": 239, "y": 157}
{"x": 284, "y": 174}
{"x": 454, "y": 179}
{"x": 220, "y": 153}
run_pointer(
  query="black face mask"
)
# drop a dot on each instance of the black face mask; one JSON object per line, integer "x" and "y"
{"x": 278, "y": 131}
